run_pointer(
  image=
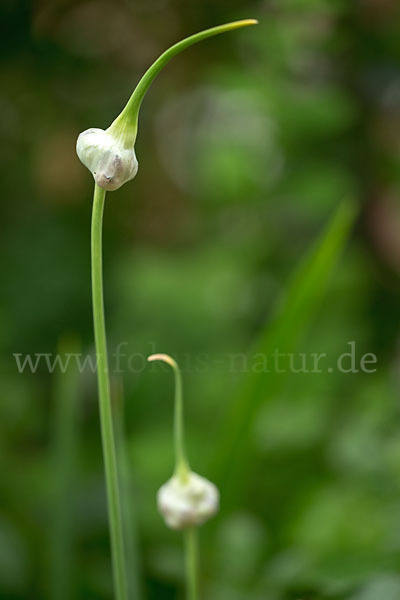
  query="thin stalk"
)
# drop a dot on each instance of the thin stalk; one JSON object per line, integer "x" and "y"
{"x": 181, "y": 462}
{"x": 107, "y": 430}
{"x": 191, "y": 552}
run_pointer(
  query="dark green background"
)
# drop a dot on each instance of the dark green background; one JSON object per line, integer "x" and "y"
{"x": 247, "y": 144}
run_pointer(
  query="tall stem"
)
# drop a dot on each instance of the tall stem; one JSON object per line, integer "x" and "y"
{"x": 106, "y": 422}
{"x": 191, "y": 552}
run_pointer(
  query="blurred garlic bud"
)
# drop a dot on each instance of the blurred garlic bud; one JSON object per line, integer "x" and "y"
{"x": 187, "y": 499}
{"x": 111, "y": 163}
{"x": 187, "y": 502}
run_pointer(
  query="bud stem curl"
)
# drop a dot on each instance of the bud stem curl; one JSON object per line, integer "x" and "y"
{"x": 127, "y": 121}
{"x": 182, "y": 468}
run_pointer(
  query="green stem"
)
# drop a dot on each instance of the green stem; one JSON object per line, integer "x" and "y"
{"x": 107, "y": 431}
{"x": 191, "y": 551}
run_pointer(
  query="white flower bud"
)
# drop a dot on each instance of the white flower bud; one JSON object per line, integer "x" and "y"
{"x": 110, "y": 163}
{"x": 189, "y": 502}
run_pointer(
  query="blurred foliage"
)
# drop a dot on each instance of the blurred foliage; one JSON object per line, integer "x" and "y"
{"x": 247, "y": 144}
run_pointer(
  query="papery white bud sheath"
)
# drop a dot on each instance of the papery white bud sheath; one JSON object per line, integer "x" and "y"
{"x": 187, "y": 502}
{"x": 110, "y": 162}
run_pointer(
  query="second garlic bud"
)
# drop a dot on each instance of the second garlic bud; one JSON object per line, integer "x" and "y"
{"x": 187, "y": 502}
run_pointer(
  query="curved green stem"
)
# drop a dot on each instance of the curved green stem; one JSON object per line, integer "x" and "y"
{"x": 182, "y": 468}
{"x": 106, "y": 421}
{"x": 125, "y": 125}
{"x": 192, "y": 553}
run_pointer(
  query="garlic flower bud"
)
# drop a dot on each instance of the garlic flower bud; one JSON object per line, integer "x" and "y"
{"x": 187, "y": 502}
{"x": 110, "y": 162}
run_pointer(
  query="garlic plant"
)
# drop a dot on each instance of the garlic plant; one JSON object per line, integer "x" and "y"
{"x": 186, "y": 500}
{"x": 110, "y": 156}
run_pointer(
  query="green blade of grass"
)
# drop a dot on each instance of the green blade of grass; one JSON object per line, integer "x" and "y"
{"x": 128, "y": 491}
{"x": 64, "y": 455}
{"x": 292, "y": 317}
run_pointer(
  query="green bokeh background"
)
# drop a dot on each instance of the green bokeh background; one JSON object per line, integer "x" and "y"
{"x": 247, "y": 144}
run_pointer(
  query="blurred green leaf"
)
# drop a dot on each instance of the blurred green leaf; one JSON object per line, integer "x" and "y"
{"x": 383, "y": 587}
{"x": 294, "y": 313}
